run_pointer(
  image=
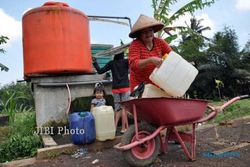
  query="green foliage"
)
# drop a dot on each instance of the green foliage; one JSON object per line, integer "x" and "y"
{"x": 5, "y": 133}
{"x": 21, "y": 141}
{"x": 224, "y": 53}
{"x": 171, "y": 38}
{"x": 3, "y": 67}
{"x": 192, "y": 49}
{"x": 19, "y": 146}
{"x": 220, "y": 60}
{"x": 245, "y": 57}
{"x": 224, "y": 49}
{"x": 24, "y": 123}
{"x": 162, "y": 9}
{"x": 190, "y": 7}
{"x": 16, "y": 98}
{"x": 194, "y": 30}
{"x": 10, "y": 106}
{"x": 236, "y": 110}
{"x": 3, "y": 39}
{"x": 162, "y": 12}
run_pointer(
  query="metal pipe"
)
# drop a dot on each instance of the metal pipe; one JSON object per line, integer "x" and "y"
{"x": 69, "y": 83}
{"x": 113, "y": 17}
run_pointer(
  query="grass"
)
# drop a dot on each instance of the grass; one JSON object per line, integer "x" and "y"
{"x": 18, "y": 139}
{"x": 4, "y": 133}
{"x": 236, "y": 110}
{"x": 24, "y": 124}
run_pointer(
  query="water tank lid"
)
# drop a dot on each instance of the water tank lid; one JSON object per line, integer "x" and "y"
{"x": 56, "y": 4}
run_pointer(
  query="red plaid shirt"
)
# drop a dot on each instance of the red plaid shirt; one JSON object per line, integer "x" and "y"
{"x": 137, "y": 51}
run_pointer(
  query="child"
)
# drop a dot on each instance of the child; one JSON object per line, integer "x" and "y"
{"x": 120, "y": 85}
{"x": 99, "y": 94}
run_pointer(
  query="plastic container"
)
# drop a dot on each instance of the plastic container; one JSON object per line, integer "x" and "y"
{"x": 82, "y": 127}
{"x": 104, "y": 122}
{"x": 153, "y": 91}
{"x": 56, "y": 40}
{"x": 175, "y": 75}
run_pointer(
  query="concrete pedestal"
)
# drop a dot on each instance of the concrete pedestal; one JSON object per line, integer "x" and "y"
{"x": 52, "y": 95}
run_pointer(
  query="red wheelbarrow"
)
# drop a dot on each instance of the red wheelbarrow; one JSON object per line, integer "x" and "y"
{"x": 142, "y": 142}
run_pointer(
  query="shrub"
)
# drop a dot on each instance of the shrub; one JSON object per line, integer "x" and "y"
{"x": 19, "y": 146}
{"x": 22, "y": 141}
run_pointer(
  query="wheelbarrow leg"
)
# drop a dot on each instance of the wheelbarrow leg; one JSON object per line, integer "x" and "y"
{"x": 190, "y": 138}
{"x": 135, "y": 122}
{"x": 167, "y": 134}
{"x": 193, "y": 152}
{"x": 164, "y": 140}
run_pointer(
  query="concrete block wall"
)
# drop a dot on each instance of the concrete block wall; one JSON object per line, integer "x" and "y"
{"x": 52, "y": 96}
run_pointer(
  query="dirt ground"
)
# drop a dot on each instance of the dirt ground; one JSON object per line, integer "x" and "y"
{"x": 207, "y": 141}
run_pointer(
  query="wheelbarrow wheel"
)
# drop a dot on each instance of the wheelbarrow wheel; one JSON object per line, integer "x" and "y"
{"x": 145, "y": 153}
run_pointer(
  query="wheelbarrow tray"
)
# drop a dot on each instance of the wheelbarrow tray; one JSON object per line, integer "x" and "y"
{"x": 167, "y": 111}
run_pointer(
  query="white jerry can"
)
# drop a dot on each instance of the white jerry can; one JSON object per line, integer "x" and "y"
{"x": 175, "y": 75}
{"x": 104, "y": 122}
{"x": 151, "y": 91}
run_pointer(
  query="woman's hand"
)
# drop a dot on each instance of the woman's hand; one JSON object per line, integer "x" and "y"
{"x": 156, "y": 61}
{"x": 93, "y": 59}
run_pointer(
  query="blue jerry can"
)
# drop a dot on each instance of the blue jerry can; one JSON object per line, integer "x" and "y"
{"x": 82, "y": 127}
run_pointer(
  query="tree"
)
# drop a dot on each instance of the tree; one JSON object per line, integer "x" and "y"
{"x": 245, "y": 69}
{"x": 245, "y": 56}
{"x": 3, "y": 39}
{"x": 223, "y": 62}
{"x": 223, "y": 51}
{"x": 194, "y": 29}
{"x": 162, "y": 12}
{"x": 192, "y": 48}
{"x": 193, "y": 43}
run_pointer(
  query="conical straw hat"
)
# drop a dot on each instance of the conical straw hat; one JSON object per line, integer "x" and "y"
{"x": 145, "y": 22}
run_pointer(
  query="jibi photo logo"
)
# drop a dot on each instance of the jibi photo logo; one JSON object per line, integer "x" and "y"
{"x": 61, "y": 130}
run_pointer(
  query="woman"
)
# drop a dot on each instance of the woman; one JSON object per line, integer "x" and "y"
{"x": 120, "y": 85}
{"x": 146, "y": 51}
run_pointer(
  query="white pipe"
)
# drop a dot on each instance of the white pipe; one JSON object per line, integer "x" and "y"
{"x": 69, "y": 100}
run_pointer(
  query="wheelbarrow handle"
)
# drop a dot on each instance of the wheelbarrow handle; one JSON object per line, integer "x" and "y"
{"x": 210, "y": 116}
{"x": 234, "y": 100}
{"x": 244, "y": 97}
{"x": 218, "y": 109}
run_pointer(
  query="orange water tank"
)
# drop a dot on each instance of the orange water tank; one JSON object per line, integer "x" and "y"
{"x": 56, "y": 40}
